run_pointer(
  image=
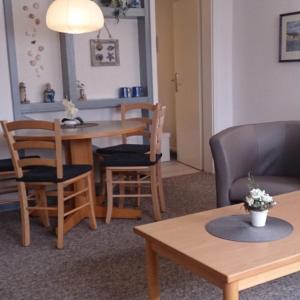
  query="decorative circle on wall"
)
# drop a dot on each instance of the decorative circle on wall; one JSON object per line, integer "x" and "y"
{"x": 36, "y": 5}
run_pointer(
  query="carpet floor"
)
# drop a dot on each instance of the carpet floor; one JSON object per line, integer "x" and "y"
{"x": 109, "y": 263}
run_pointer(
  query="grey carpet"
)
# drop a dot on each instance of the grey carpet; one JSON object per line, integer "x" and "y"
{"x": 109, "y": 263}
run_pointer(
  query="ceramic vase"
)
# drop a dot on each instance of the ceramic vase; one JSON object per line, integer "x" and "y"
{"x": 258, "y": 218}
{"x": 70, "y": 122}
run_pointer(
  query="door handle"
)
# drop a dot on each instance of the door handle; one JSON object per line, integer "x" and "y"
{"x": 176, "y": 81}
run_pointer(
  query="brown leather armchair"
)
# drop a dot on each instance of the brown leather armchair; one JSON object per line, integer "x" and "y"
{"x": 270, "y": 151}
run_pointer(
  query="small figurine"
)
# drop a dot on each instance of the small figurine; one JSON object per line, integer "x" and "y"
{"x": 49, "y": 94}
{"x": 82, "y": 94}
{"x": 22, "y": 90}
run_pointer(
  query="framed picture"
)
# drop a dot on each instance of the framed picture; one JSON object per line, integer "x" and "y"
{"x": 289, "y": 41}
{"x": 104, "y": 52}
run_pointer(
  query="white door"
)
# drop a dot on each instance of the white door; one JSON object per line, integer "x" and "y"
{"x": 186, "y": 16}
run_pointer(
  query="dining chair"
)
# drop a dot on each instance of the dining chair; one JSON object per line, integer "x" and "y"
{"x": 146, "y": 167}
{"x": 146, "y": 110}
{"x": 8, "y": 184}
{"x": 125, "y": 147}
{"x": 46, "y": 172}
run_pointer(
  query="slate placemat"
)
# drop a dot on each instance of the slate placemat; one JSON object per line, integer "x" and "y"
{"x": 239, "y": 228}
{"x": 86, "y": 124}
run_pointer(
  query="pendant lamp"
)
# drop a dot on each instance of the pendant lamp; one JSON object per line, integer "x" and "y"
{"x": 74, "y": 16}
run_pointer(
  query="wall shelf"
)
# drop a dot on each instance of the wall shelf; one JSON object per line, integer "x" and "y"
{"x": 142, "y": 15}
{"x": 88, "y": 104}
{"x": 131, "y": 13}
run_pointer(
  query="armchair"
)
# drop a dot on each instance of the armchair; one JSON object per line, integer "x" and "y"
{"x": 270, "y": 151}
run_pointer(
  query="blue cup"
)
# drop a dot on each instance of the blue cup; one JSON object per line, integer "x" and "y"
{"x": 137, "y": 91}
{"x": 124, "y": 92}
{"x": 135, "y": 3}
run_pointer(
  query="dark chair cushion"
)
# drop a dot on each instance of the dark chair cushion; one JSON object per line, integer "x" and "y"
{"x": 6, "y": 164}
{"x": 273, "y": 185}
{"x": 48, "y": 174}
{"x": 128, "y": 160}
{"x": 124, "y": 148}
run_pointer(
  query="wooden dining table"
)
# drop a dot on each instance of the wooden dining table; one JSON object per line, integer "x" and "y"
{"x": 79, "y": 150}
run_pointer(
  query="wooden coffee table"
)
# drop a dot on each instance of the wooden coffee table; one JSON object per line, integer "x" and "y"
{"x": 232, "y": 266}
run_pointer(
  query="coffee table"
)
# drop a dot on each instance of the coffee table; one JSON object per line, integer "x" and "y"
{"x": 232, "y": 266}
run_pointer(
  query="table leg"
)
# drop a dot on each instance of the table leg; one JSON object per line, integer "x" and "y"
{"x": 231, "y": 291}
{"x": 152, "y": 274}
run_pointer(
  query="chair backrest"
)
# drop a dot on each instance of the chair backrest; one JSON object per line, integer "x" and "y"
{"x": 29, "y": 135}
{"x": 156, "y": 131}
{"x": 146, "y": 110}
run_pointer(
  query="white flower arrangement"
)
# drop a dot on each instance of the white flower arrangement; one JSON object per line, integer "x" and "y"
{"x": 257, "y": 199}
{"x": 70, "y": 109}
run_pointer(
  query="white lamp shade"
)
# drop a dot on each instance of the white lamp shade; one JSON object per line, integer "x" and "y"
{"x": 74, "y": 16}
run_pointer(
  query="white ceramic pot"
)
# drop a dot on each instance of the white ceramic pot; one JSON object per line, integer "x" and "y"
{"x": 258, "y": 218}
{"x": 71, "y": 122}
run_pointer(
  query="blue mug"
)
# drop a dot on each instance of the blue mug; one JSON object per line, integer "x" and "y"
{"x": 137, "y": 91}
{"x": 124, "y": 92}
{"x": 135, "y": 3}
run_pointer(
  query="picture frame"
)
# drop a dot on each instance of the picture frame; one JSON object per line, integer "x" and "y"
{"x": 289, "y": 37}
{"x": 104, "y": 52}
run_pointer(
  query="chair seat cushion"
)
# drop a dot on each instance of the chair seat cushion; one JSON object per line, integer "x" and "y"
{"x": 124, "y": 148}
{"x": 273, "y": 185}
{"x": 128, "y": 160}
{"x": 48, "y": 174}
{"x": 6, "y": 164}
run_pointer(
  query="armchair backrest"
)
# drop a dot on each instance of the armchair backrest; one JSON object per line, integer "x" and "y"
{"x": 266, "y": 149}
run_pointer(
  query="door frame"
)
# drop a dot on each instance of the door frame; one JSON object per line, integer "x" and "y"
{"x": 206, "y": 68}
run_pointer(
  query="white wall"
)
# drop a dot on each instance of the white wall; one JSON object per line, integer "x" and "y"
{"x": 104, "y": 81}
{"x": 222, "y": 64}
{"x": 29, "y": 37}
{"x": 263, "y": 89}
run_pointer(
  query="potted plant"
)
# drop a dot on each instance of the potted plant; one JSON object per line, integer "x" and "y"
{"x": 258, "y": 203}
{"x": 70, "y": 112}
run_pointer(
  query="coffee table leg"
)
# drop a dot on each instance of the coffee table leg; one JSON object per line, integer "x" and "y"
{"x": 152, "y": 275}
{"x": 231, "y": 291}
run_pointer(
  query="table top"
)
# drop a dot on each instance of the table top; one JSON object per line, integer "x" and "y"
{"x": 101, "y": 129}
{"x": 229, "y": 260}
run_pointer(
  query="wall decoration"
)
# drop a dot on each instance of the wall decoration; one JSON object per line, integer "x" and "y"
{"x": 31, "y": 12}
{"x": 105, "y": 52}
{"x": 49, "y": 94}
{"x": 82, "y": 93}
{"x": 22, "y": 91}
{"x": 289, "y": 47}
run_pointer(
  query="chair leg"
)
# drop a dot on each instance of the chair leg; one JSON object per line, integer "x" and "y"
{"x": 155, "y": 203}
{"x": 103, "y": 184}
{"x": 24, "y": 214}
{"x": 42, "y": 201}
{"x": 109, "y": 189}
{"x": 139, "y": 190}
{"x": 60, "y": 216}
{"x": 122, "y": 192}
{"x": 162, "y": 201}
{"x": 92, "y": 218}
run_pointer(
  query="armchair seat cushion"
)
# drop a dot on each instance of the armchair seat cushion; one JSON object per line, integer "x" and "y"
{"x": 48, "y": 174}
{"x": 129, "y": 160}
{"x": 124, "y": 148}
{"x": 273, "y": 185}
